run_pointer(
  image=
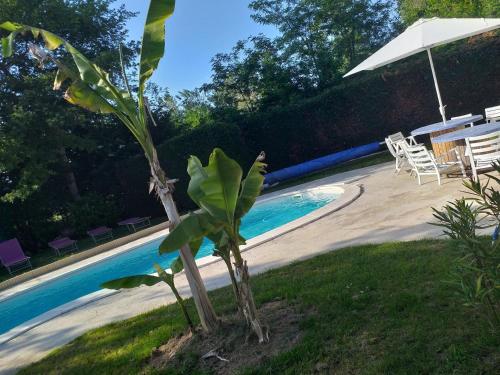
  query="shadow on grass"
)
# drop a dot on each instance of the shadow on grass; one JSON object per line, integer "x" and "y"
{"x": 378, "y": 309}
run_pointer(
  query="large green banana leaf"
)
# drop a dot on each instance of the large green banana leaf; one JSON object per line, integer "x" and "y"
{"x": 89, "y": 74}
{"x": 220, "y": 187}
{"x": 131, "y": 282}
{"x": 193, "y": 228}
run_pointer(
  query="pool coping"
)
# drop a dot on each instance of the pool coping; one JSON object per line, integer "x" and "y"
{"x": 79, "y": 256}
{"x": 350, "y": 192}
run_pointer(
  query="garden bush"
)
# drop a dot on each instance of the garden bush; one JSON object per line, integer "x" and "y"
{"x": 133, "y": 175}
{"x": 364, "y": 109}
{"x": 91, "y": 211}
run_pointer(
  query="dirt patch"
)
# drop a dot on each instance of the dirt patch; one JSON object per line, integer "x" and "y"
{"x": 233, "y": 347}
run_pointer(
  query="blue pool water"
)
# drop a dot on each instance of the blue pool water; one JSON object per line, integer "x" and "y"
{"x": 263, "y": 217}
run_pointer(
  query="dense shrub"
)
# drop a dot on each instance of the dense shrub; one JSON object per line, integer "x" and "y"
{"x": 477, "y": 268}
{"x": 371, "y": 105}
{"x": 364, "y": 109}
{"x": 133, "y": 175}
{"x": 91, "y": 211}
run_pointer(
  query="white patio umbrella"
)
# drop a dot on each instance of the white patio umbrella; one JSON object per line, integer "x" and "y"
{"x": 422, "y": 36}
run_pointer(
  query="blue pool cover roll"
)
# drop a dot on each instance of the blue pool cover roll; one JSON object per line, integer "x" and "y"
{"x": 323, "y": 162}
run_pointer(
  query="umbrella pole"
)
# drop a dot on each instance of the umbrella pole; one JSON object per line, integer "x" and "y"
{"x": 441, "y": 107}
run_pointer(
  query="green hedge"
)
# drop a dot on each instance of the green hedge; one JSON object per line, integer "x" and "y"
{"x": 371, "y": 105}
{"x": 366, "y": 108}
{"x": 133, "y": 175}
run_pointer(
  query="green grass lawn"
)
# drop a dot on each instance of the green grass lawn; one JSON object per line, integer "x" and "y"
{"x": 377, "y": 309}
{"x": 48, "y": 256}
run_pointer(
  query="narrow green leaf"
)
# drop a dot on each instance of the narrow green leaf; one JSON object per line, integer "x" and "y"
{"x": 61, "y": 76}
{"x": 164, "y": 275}
{"x": 10, "y": 26}
{"x": 6, "y": 47}
{"x": 131, "y": 282}
{"x": 80, "y": 94}
{"x": 153, "y": 39}
{"x": 251, "y": 187}
{"x": 198, "y": 175}
{"x": 52, "y": 41}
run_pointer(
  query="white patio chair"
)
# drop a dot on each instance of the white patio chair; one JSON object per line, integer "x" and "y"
{"x": 399, "y": 137}
{"x": 482, "y": 151}
{"x": 424, "y": 163}
{"x": 464, "y": 116}
{"x": 399, "y": 155}
{"x": 492, "y": 114}
{"x": 395, "y": 143}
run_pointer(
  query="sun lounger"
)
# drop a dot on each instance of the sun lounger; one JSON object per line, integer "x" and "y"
{"x": 62, "y": 245}
{"x": 12, "y": 256}
{"x": 134, "y": 223}
{"x": 100, "y": 233}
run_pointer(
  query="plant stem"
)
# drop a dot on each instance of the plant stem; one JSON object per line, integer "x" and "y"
{"x": 180, "y": 301}
{"x": 246, "y": 296}
{"x": 206, "y": 312}
{"x": 234, "y": 282}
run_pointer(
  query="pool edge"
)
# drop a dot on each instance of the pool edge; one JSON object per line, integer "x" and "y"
{"x": 350, "y": 193}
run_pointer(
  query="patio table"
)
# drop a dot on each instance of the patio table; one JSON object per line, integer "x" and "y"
{"x": 475, "y": 131}
{"x": 438, "y": 129}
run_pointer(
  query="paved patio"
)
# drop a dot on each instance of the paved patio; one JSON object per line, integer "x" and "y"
{"x": 391, "y": 208}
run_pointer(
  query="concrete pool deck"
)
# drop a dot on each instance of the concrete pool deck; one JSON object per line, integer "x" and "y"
{"x": 391, "y": 208}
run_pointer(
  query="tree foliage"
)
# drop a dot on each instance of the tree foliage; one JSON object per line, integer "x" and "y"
{"x": 477, "y": 269}
{"x": 412, "y": 10}
{"x": 40, "y": 136}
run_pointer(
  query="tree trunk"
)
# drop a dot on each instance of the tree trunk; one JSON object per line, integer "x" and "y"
{"x": 69, "y": 175}
{"x": 246, "y": 297}
{"x": 205, "y": 310}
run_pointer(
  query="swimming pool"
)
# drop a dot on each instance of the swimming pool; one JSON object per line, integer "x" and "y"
{"x": 266, "y": 215}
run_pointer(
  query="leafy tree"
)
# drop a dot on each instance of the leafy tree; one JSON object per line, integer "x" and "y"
{"x": 194, "y": 108}
{"x": 412, "y": 10}
{"x": 250, "y": 77}
{"x": 223, "y": 198}
{"x": 40, "y": 137}
{"x": 321, "y": 39}
{"x": 90, "y": 86}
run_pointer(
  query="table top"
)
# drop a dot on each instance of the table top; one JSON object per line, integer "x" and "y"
{"x": 450, "y": 124}
{"x": 468, "y": 132}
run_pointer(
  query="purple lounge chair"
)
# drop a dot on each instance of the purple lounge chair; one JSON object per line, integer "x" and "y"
{"x": 134, "y": 223}
{"x": 63, "y": 244}
{"x": 100, "y": 233}
{"x": 12, "y": 254}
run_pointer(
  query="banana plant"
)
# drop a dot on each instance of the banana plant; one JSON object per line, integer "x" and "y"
{"x": 223, "y": 198}
{"x": 135, "y": 281}
{"x": 89, "y": 86}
